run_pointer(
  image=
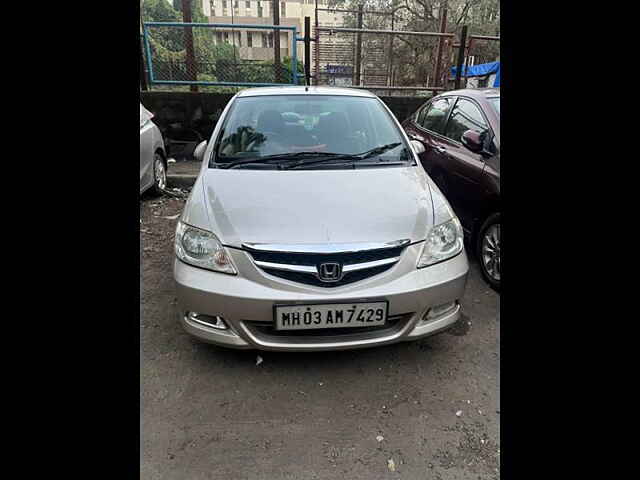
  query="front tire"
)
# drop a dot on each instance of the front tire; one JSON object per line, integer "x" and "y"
{"x": 159, "y": 174}
{"x": 488, "y": 250}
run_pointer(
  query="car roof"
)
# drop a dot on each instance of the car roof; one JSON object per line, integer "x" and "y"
{"x": 475, "y": 92}
{"x": 302, "y": 90}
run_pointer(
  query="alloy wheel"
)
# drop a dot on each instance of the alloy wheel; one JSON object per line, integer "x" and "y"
{"x": 491, "y": 251}
{"x": 160, "y": 173}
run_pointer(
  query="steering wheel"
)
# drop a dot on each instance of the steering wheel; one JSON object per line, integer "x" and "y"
{"x": 270, "y": 135}
{"x": 275, "y": 139}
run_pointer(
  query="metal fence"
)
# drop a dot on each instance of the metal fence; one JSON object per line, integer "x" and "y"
{"x": 369, "y": 59}
{"x": 366, "y": 50}
{"x": 479, "y": 49}
{"x": 211, "y": 54}
{"x": 381, "y": 59}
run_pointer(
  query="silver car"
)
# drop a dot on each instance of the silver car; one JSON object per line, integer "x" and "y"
{"x": 153, "y": 160}
{"x": 313, "y": 226}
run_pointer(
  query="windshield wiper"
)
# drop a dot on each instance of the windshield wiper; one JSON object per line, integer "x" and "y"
{"x": 378, "y": 150}
{"x": 277, "y": 158}
{"x": 325, "y": 156}
{"x": 356, "y": 157}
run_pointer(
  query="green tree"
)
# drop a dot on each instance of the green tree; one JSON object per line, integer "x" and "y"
{"x": 214, "y": 62}
{"x": 165, "y": 38}
{"x": 287, "y": 63}
{"x": 168, "y": 46}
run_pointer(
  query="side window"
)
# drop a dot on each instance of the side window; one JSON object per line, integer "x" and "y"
{"x": 465, "y": 116}
{"x": 436, "y": 114}
{"x": 421, "y": 113}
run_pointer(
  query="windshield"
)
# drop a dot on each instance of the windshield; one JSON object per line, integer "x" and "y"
{"x": 495, "y": 101}
{"x": 267, "y": 126}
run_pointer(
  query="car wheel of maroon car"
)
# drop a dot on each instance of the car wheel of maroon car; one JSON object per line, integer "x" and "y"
{"x": 488, "y": 250}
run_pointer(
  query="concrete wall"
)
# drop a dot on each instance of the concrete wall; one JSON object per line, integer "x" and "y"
{"x": 186, "y": 117}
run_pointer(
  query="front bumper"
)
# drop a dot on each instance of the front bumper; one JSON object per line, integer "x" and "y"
{"x": 246, "y": 304}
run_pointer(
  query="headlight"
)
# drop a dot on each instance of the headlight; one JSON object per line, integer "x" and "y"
{"x": 145, "y": 116}
{"x": 202, "y": 249}
{"x": 444, "y": 241}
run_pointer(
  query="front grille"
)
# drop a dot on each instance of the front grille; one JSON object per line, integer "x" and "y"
{"x": 310, "y": 279}
{"x": 304, "y": 258}
{"x": 394, "y": 322}
{"x": 310, "y": 260}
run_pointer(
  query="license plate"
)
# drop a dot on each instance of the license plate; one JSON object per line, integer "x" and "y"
{"x": 335, "y": 315}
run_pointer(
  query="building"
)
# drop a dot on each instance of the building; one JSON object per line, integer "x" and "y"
{"x": 258, "y": 44}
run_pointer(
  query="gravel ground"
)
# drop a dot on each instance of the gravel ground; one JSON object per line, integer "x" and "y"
{"x": 427, "y": 409}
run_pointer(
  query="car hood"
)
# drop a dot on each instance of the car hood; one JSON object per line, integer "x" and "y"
{"x": 316, "y": 206}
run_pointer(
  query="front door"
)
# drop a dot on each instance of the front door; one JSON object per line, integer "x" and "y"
{"x": 464, "y": 168}
{"x": 427, "y": 127}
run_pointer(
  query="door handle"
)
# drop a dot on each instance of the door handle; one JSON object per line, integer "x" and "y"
{"x": 440, "y": 149}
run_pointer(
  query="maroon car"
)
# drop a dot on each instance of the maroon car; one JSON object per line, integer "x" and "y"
{"x": 458, "y": 135}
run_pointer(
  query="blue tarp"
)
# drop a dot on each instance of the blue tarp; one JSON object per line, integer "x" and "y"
{"x": 481, "y": 71}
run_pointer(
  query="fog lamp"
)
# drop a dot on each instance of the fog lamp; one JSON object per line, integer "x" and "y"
{"x": 211, "y": 321}
{"x": 438, "y": 311}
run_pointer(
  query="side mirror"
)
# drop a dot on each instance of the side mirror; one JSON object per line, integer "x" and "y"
{"x": 417, "y": 146}
{"x": 198, "y": 153}
{"x": 473, "y": 141}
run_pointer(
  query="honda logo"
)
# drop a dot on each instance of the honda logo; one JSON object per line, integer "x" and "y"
{"x": 330, "y": 272}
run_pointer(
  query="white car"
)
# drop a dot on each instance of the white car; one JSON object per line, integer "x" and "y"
{"x": 153, "y": 159}
{"x": 325, "y": 234}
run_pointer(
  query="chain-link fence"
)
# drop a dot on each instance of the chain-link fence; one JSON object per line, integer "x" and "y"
{"x": 358, "y": 48}
{"x": 481, "y": 53}
{"x": 385, "y": 62}
{"x": 364, "y": 49}
{"x": 220, "y": 54}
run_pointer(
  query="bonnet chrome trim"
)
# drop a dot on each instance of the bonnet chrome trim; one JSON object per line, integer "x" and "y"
{"x": 328, "y": 248}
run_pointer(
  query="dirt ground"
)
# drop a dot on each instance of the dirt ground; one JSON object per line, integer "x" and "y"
{"x": 421, "y": 410}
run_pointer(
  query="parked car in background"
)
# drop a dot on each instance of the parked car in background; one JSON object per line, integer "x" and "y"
{"x": 153, "y": 159}
{"x": 312, "y": 226}
{"x": 460, "y": 136}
